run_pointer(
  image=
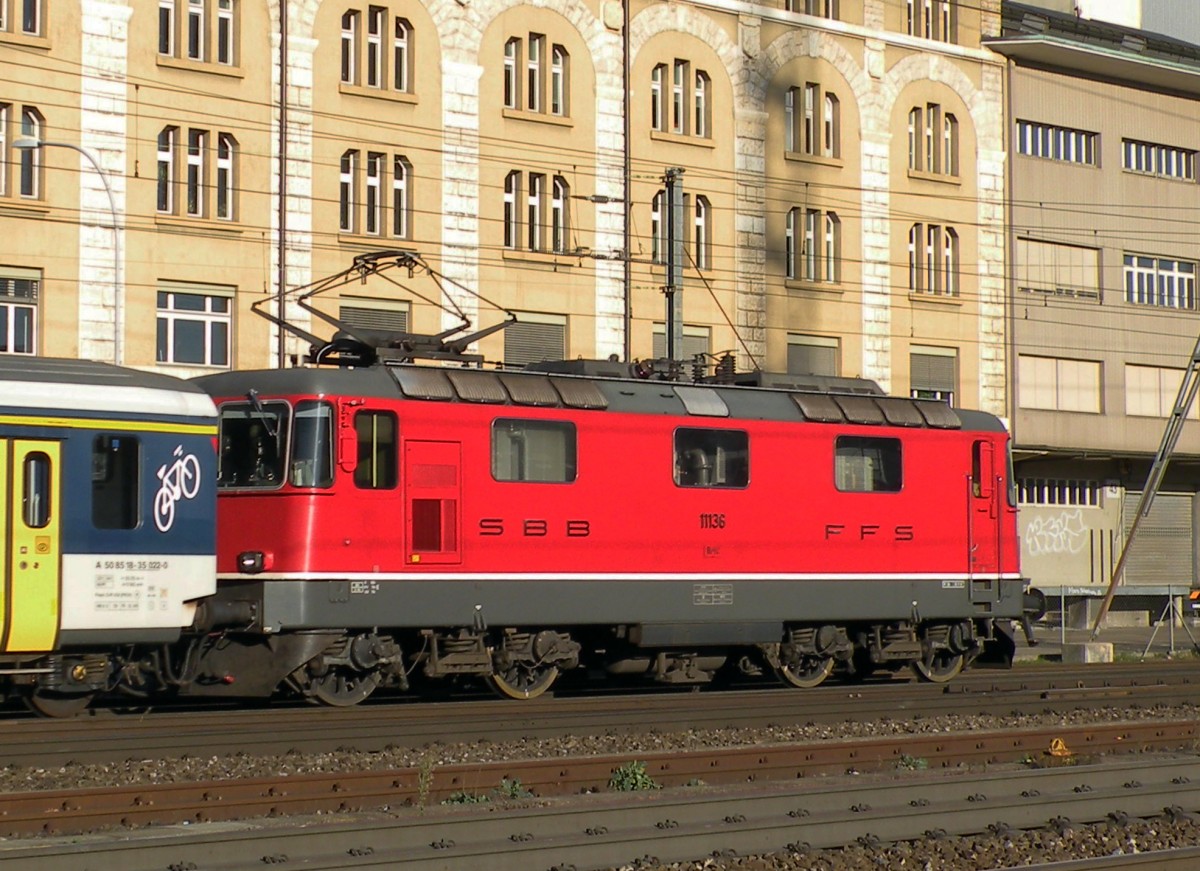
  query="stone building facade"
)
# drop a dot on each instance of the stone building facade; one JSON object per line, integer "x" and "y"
{"x": 843, "y": 173}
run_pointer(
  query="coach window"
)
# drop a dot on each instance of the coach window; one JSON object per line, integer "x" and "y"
{"x": 36, "y": 498}
{"x": 533, "y": 450}
{"x": 115, "y": 480}
{"x": 312, "y": 445}
{"x": 712, "y": 458}
{"x": 253, "y": 440}
{"x": 376, "y": 432}
{"x": 867, "y": 465}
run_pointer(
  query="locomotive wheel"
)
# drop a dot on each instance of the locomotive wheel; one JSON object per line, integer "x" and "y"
{"x": 944, "y": 667}
{"x": 523, "y": 682}
{"x": 342, "y": 687}
{"x": 811, "y": 672}
{"x": 58, "y": 705}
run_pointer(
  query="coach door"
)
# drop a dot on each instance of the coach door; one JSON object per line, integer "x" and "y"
{"x": 432, "y": 499}
{"x": 30, "y": 543}
{"x": 984, "y": 533}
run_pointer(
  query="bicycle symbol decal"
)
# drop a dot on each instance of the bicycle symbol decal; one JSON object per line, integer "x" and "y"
{"x": 181, "y": 480}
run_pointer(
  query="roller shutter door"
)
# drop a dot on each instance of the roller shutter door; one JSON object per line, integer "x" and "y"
{"x": 1162, "y": 553}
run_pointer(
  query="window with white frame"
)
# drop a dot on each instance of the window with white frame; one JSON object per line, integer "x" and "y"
{"x": 537, "y": 212}
{"x": 5, "y": 114}
{"x": 25, "y": 17}
{"x": 29, "y": 164}
{"x": 932, "y": 19}
{"x": 377, "y": 49}
{"x": 364, "y": 203}
{"x": 1151, "y": 391}
{"x": 687, "y": 110}
{"x": 1059, "y": 491}
{"x": 820, "y": 8}
{"x": 537, "y": 75}
{"x": 658, "y": 227}
{"x": 19, "y": 291}
{"x": 812, "y": 121}
{"x": 195, "y": 323}
{"x": 933, "y": 373}
{"x": 1165, "y": 161}
{"x": 536, "y": 336}
{"x": 209, "y": 172}
{"x": 933, "y": 260}
{"x": 932, "y": 140}
{"x": 1058, "y": 384}
{"x": 697, "y": 341}
{"x": 1052, "y": 142}
{"x": 702, "y": 240}
{"x": 812, "y": 355}
{"x": 1159, "y": 281}
{"x": 204, "y": 31}
{"x": 813, "y": 242}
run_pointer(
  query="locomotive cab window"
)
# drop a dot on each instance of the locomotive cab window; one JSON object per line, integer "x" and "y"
{"x": 867, "y": 465}
{"x": 116, "y": 478}
{"x": 312, "y": 445}
{"x": 253, "y": 438}
{"x": 712, "y": 458}
{"x": 533, "y": 450}
{"x": 376, "y": 435}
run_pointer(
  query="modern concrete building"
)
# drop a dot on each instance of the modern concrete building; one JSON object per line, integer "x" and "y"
{"x": 1102, "y": 198}
{"x": 843, "y": 173}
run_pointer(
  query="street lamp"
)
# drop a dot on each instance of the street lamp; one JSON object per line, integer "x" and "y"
{"x": 28, "y": 143}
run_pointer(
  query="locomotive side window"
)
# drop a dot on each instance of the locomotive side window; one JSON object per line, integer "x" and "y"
{"x": 116, "y": 476}
{"x": 312, "y": 445}
{"x": 867, "y": 465}
{"x": 712, "y": 458}
{"x": 376, "y": 433}
{"x": 253, "y": 444}
{"x": 533, "y": 450}
{"x": 36, "y": 496}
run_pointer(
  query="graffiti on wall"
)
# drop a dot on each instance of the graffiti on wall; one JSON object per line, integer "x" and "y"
{"x": 1056, "y": 535}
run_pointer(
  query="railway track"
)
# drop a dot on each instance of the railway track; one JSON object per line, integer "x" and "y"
{"x": 792, "y": 812}
{"x": 110, "y": 736}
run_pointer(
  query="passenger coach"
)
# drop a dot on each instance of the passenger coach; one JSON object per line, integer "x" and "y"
{"x": 107, "y": 529}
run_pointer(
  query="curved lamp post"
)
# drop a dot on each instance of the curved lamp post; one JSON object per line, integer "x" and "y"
{"x": 28, "y": 143}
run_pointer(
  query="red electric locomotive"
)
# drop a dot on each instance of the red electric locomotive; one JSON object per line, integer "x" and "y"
{"x": 381, "y": 519}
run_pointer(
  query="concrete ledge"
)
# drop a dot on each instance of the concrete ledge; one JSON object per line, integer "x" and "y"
{"x": 1092, "y": 651}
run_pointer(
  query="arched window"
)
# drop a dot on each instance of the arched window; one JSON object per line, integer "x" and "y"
{"x": 533, "y": 67}
{"x": 789, "y": 120}
{"x": 831, "y": 122}
{"x": 226, "y": 180}
{"x": 658, "y": 228}
{"x": 350, "y": 47}
{"x": 702, "y": 250}
{"x": 656, "y": 97}
{"x": 166, "y": 169}
{"x": 700, "y": 96}
{"x": 559, "y": 81}
{"x": 347, "y": 201}
{"x": 374, "y": 196}
{"x": 401, "y": 193}
{"x": 559, "y": 228}
{"x": 197, "y": 148}
{"x": 402, "y": 56}
{"x": 789, "y": 244}
{"x": 512, "y": 226}
{"x": 512, "y": 81}
{"x": 832, "y": 250}
{"x": 30, "y": 185}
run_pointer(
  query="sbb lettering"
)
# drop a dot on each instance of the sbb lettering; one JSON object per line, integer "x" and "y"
{"x": 535, "y": 528}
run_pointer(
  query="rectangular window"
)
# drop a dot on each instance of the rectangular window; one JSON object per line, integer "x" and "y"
{"x": 812, "y": 97}
{"x": 1151, "y": 391}
{"x": 166, "y": 170}
{"x": 1058, "y": 384}
{"x": 346, "y": 196}
{"x": 254, "y": 441}
{"x": 867, "y": 465}
{"x": 350, "y": 48}
{"x": 933, "y": 373}
{"x": 533, "y": 87}
{"x": 678, "y": 101}
{"x": 31, "y": 158}
{"x": 195, "y": 29}
{"x": 31, "y": 17}
{"x": 712, "y": 458}
{"x": 1058, "y": 269}
{"x": 166, "y": 27}
{"x": 697, "y": 341}
{"x": 225, "y": 180}
{"x": 1164, "y": 161}
{"x": 194, "y": 328}
{"x": 36, "y": 491}
{"x": 512, "y": 88}
{"x": 197, "y": 145}
{"x": 533, "y": 450}
{"x": 400, "y": 195}
{"x": 18, "y": 310}
{"x": 537, "y": 186}
{"x": 656, "y": 97}
{"x": 5, "y": 111}
{"x": 377, "y": 442}
{"x": 312, "y": 445}
{"x": 376, "y": 19}
{"x": 400, "y": 55}
{"x": 1058, "y": 491}
{"x": 812, "y": 355}
{"x": 1052, "y": 142}
{"x": 116, "y": 482}
{"x": 225, "y": 33}
{"x": 374, "y": 201}
{"x": 1160, "y": 282}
